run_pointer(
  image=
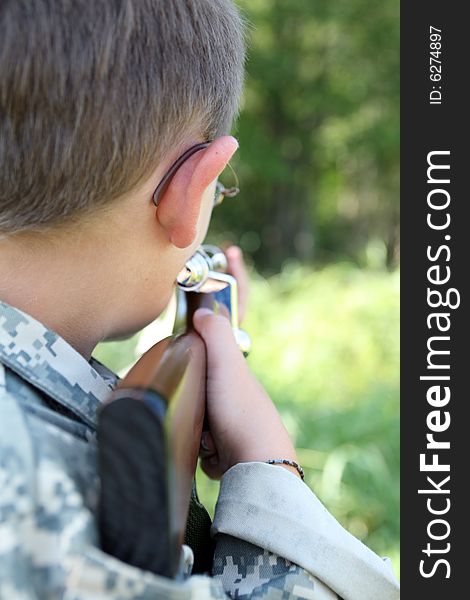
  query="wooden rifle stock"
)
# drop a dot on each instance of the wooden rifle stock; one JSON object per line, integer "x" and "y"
{"x": 148, "y": 438}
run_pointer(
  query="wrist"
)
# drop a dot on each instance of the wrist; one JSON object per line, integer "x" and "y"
{"x": 262, "y": 455}
{"x": 292, "y": 464}
{"x": 289, "y": 463}
{"x": 289, "y": 468}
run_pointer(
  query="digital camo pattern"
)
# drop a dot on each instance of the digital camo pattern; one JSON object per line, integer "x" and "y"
{"x": 247, "y": 571}
{"x": 49, "y": 363}
{"x": 49, "y": 490}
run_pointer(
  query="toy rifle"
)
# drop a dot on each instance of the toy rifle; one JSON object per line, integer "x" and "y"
{"x": 149, "y": 436}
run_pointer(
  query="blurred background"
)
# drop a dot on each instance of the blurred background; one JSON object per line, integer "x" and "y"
{"x": 318, "y": 221}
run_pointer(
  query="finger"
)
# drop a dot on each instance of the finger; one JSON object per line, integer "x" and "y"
{"x": 206, "y": 455}
{"x": 236, "y": 267}
{"x": 207, "y": 448}
{"x": 212, "y": 467}
{"x": 217, "y": 333}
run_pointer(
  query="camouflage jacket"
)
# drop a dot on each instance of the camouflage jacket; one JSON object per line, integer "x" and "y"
{"x": 273, "y": 537}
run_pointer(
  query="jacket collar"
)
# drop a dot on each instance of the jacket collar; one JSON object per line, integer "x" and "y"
{"x": 48, "y": 362}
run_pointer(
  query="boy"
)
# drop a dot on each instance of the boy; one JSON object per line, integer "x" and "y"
{"x": 97, "y": 100}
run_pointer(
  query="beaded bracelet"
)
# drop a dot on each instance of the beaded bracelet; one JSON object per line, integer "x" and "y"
{"x": 292, "y": 463}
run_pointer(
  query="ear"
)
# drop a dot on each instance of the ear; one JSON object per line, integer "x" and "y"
{"x": 179, "y": 207}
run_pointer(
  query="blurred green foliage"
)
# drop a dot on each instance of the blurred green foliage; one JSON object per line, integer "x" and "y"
{"x": 325, "y": 346}
{"x": 319, "y": 133}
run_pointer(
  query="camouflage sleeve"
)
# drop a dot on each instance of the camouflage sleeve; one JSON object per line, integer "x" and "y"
{"x": 247, "y": 572}
{"x": 16, "y": 498}
{"x": 271, "y": 508}
{"x": 48, "y": 549}
{"x": 47, "y": 537}
{"x": 38, "y": 565}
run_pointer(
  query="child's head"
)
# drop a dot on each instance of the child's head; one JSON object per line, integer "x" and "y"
{"x": 97, "y": 98}
{"x": 94, "y": 95}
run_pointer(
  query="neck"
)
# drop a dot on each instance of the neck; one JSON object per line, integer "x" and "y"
{"x": 73, "y": 287}
{"x": 52, "y": 282}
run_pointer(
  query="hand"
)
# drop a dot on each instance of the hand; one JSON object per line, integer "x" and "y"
{"x": 244, "y": 424}
{"x": 236, "y": 267}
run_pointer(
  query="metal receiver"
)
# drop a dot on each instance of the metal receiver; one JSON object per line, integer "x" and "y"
{"x": 205, "y": 273}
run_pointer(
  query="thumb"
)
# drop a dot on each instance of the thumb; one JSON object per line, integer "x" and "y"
{"x": 218, "y": 336}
